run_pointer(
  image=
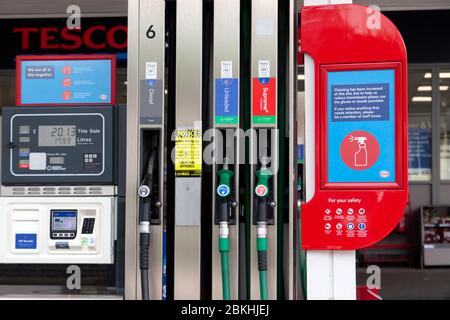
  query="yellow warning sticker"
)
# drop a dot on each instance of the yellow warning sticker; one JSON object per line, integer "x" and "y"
{"x": 188, "y": 152}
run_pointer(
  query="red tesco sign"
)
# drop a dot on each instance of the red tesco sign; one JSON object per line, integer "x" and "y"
{"x": 67, "y": 39}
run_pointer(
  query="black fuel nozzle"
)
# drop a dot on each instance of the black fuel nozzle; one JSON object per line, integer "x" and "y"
{"x": 145, "y": 212}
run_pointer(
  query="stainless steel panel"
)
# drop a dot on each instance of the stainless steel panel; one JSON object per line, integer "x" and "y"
{"x": 151, "y": 58}
{"x": 187, "y": 201}
{"x": 226, "y": 48}
{"x": 264, "y": 35}
{"x": 141, "y": 50}
{"x": 189, "y": 62}
{"x": 132, "y": 152}
{"x": 188, "y": 98}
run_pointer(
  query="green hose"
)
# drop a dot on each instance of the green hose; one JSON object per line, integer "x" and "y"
{"x": 224, "y": 247}
{"x": 263, "y": 289}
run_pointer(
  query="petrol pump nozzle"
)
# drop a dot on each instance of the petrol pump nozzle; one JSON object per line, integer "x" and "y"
{"x": 223, "y": 192}
{"x": 262, "y": 192}
{"x": 145, "y": 192}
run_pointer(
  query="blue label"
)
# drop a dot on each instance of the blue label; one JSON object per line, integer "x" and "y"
{"x": 26, "y": 241}
{"x": 264, "y": 80}
{"x": 300, "y": 153}
{"x": 64, "y": 214}
{"x": 227, "y": 100}
{"x": 361, "y": 128}
{"x": 360, "y": 102}
{"x": 66, "y": 81}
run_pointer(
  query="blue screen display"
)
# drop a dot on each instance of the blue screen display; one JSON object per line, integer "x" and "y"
{"x": 361, "y": 126}
{"x": 66, "y": 81}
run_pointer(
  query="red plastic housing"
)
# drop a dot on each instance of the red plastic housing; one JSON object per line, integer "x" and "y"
{"x": 338, "y": 38}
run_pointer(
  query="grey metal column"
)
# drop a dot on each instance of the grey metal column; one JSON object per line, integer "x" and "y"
{"x": 293, "y": 244}
{"x": 145, "y": 105}
{"x": 187, "y": 163}
{"x": 264, "y": 66}
{"x": 226, "y": 116}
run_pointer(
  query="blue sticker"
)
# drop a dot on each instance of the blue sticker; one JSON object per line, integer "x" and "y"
{"x": 26, "y": 241}
{"x": 264, "y": 80}
{"x": 361, "y": 126}
{"x": 227, "y": 101}
{"x": 360, "y": 102}
{"x": 66, "y": 81}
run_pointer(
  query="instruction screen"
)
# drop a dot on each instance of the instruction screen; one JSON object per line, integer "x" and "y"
{"x": 65, "y": 81}
{"x": 361, "y": 126}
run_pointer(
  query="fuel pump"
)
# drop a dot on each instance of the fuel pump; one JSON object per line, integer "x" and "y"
{"x": 264, "y": 151}
{"x": 146, "y": 157}
{"x": 60, "y": 176}
{"x": 226, "y": 122}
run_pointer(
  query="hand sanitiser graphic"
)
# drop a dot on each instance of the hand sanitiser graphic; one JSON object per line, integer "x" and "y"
{"x": 361, "y": 154}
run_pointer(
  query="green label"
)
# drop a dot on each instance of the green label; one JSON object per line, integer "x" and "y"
{"x": 264, "y": 119}
{"x": 227, "y": 120}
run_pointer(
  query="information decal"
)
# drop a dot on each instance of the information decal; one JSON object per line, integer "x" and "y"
{"x": 264, "y": 101}
{"x": 188, "y": 152}
{"x": 62, "y": 82}
{"x": 227, "y": 101}
{"x": 419, "y": 151}
{"x": 361, "y": 126}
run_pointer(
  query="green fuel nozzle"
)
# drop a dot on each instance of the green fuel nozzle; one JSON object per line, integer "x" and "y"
{"x": 262, "y": 191}
{"x": 223, "y": 191}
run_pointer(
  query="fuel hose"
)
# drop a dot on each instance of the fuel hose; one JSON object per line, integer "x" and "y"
{"x": 262, "y": 193}
{"x": 145, "y": 192}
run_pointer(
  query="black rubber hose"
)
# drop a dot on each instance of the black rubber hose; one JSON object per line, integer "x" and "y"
{"x": 262, "y": 260}
{"x": 222, "y": 209}
{"x": 263, "y": 210}
{"x": 144, "y": 242}
{"x": 145, "y": 289}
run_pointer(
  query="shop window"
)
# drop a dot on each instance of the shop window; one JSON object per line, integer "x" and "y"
{"x": 444, "y": 91}
{"x": 419, "y": 124}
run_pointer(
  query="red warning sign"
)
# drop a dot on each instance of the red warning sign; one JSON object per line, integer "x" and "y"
{"x": 360, "y": 150}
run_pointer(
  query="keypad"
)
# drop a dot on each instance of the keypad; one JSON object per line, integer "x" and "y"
{"x": 88, "y": 226}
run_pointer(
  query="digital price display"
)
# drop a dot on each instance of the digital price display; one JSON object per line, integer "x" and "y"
{"x": 64, "y": 220}
{"x": 57, "y": 136}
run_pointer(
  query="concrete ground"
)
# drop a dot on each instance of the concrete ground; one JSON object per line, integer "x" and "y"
{"x": 411, "y": 284}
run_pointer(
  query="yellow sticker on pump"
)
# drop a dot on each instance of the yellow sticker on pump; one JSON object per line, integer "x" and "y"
{"x": 188, "y": 152}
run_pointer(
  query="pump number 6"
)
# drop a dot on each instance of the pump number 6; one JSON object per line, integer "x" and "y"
{"x": 150, "y": 32}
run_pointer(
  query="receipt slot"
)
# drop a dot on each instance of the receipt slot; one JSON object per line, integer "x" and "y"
{"x": 356, "y": 145}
